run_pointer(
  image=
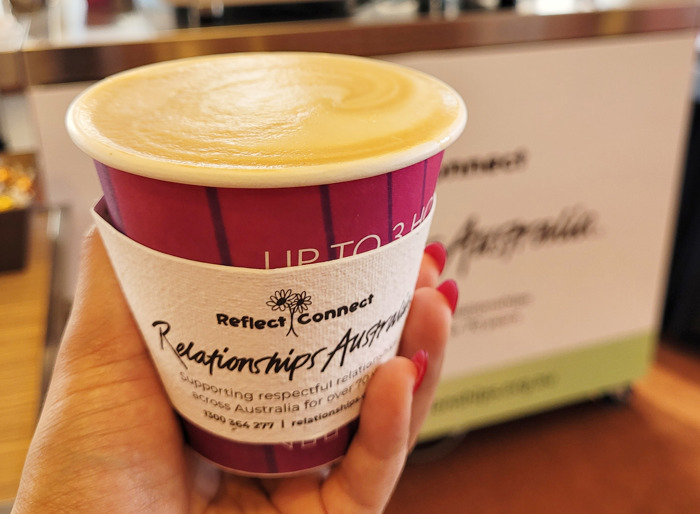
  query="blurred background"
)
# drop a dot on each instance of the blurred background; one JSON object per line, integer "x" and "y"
{"x": 573, "y": 372}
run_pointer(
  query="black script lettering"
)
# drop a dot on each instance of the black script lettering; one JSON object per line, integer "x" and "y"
{"x": 163, "y": 329}
{"x": 341, "y": 348}
{"x": 504, "y": 240}
{"x": 219, "y": 359}
{"x": 291, "y": 363}
{"x": 215, "y": 359}
{"x": 351, "y": 342}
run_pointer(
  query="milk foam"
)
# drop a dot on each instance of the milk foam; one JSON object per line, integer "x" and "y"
{"x": 266, "y": 119}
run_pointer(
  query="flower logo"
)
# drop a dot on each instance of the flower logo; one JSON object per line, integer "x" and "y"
{"x": 279, "y": 301}
{"x": 301, "y": 302}
{"x": 284, "y": 300}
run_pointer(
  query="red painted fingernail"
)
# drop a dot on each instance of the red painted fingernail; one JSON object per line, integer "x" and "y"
{"x": 420, "y": 361}
{"x": 450, "y": 291}
{"x": 439, "y": 253}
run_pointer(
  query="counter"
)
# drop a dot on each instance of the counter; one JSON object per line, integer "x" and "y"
{"x": 55, "y": 49}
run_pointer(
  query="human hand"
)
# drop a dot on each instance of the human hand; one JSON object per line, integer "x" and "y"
{"x": 108, "y": 440}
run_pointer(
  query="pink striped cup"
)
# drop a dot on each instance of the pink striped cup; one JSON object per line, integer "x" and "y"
{"x": 268, "y": 225}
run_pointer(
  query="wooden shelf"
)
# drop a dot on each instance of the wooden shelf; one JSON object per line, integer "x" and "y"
{"x": 24, "y": 308}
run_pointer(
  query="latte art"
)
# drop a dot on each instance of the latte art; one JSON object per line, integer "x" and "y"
{"x": 280, "y": 118}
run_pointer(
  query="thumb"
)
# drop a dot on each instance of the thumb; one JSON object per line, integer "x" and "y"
{"x": 100, "y": 326}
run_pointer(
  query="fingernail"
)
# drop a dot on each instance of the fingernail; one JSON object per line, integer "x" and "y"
{"x": 420, "y": 361}
{"x": 450, "y": 291}
{"x": 439, "y": 253}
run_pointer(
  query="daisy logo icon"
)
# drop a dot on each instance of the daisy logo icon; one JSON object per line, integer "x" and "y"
{"x": 285, "y": 300}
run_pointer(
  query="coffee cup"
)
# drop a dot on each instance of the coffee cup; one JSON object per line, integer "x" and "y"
{"x": 265, "y": 214}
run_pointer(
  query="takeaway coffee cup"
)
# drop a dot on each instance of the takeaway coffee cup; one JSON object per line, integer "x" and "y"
{"x": 265, "y": 214}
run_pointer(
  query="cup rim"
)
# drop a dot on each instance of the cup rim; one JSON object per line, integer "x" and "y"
{"x": 273, "y": 177}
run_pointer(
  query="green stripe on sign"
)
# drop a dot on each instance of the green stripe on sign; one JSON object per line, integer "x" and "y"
{"x": 537, "y": 385}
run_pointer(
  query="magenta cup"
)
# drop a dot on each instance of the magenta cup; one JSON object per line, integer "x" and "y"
{"x": 286, "y": 197}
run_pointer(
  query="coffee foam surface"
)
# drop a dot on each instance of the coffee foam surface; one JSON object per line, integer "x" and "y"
{"x": 266, "y": 119}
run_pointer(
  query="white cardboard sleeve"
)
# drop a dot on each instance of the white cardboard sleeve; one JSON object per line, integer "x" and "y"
{"x": 268, "y": 356}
